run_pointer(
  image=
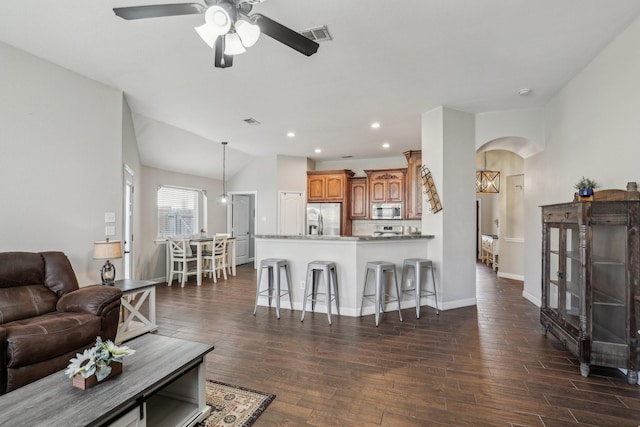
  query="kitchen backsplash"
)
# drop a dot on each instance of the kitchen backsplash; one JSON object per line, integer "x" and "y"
{"x": 366, "y": 227}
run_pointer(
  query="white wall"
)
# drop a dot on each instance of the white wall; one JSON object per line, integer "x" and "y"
{"x": 260, "y": 176}
{"x": 448, "y": 135}
{"x": 131, "y": 157}
{"x": 592, "y": 129}
{"x": 60, "y": 160}
{"x": 152, "y": 262}
{"x": 509, "y": 129}
{"x": 292, "y": 173}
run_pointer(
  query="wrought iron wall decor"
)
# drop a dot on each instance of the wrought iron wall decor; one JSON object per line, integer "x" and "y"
{"x": 430, "y": 190}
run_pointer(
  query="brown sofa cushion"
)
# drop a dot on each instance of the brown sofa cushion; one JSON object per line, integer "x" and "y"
{"x": 26, "y": 301}
{"x": 44, "y": 337}
{"x": 21, "y": 269}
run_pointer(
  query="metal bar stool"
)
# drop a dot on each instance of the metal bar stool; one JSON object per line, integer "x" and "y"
{"x": 273, "y": 266}
{"x": 380, "y": 269}
{"x": 418, "y": 264}
{"x": 314, "y": 270}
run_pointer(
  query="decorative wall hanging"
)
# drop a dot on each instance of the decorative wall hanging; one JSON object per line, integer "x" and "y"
{"x": 430, "y": 190}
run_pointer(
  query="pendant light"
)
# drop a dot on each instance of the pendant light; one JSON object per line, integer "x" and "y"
{"x": 487, "y": 182}
{"x": 223, "y": 199}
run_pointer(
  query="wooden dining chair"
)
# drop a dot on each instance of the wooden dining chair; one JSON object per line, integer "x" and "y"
{"x": 228, "y": 260}
{"x": 183, "y": 262}
{"x": 216, "y": 260}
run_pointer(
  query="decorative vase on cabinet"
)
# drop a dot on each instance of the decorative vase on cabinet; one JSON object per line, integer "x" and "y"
{"x": 590, "y": 281}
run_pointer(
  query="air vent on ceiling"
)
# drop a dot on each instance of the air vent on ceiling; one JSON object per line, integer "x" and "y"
{"x": 251, "y": 121}
{"x": 319, "y": 34}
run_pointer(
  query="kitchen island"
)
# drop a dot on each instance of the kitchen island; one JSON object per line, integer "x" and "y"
{"x": 351, "y": 254}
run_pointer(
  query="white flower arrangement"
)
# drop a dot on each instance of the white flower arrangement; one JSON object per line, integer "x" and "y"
{"x": 96, "y": 360}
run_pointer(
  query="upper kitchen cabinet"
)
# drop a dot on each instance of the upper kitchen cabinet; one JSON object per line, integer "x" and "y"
{"x": 328, "y": 186}
{"x": 386, "y": 185}
{"x": 414, "y": 184}
{"x": 359, "y": 198}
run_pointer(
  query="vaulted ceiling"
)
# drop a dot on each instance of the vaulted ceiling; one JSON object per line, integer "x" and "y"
{"x": 389, "y": 61}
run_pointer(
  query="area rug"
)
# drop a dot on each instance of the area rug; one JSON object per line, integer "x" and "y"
{"x": 233, "y": 406}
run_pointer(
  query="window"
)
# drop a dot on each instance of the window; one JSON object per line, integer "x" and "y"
{"x": 180, "y": 211}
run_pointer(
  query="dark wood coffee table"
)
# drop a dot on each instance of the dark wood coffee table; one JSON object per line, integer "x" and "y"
{"x": 162, "y": 384}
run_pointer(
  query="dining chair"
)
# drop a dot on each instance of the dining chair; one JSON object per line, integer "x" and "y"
{"x": 216, "y": 260}
{"x": 182, "y": 260}
{"x": 228, "y": 260}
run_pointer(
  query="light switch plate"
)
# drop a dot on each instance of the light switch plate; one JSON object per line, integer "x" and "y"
{"x": 110, "y": 230}
{"x": 109, "y": 217}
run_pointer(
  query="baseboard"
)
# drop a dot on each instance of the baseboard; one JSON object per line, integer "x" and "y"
{"x": 511, "y": 276}
{"x": 531, "y": 298}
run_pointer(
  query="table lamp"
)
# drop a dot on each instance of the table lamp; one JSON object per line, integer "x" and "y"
{"x": 107, "y": 250}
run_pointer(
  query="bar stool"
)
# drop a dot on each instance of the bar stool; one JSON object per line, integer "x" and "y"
{"x": 418, "y": 264}
{"x": 273, "y": 266}
{"x": 380, "y": 269}
{"x": 314, "y": 270}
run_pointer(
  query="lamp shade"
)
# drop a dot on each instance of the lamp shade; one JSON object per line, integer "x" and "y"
{"x": 217, "y": 22}
{"x": 107, "y": 250}
{"x": 248, "y": 32}
{"x": 233, "y": 44}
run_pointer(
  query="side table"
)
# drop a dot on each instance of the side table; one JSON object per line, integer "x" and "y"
{"x": 135, "y": 295}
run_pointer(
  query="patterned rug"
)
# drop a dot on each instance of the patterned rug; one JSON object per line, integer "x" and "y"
{"x": 233, "y": 406}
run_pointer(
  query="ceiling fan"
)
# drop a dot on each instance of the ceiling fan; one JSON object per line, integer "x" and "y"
{"x": 228, "y": 27}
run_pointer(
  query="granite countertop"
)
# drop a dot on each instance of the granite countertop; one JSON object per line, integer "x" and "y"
{"x": 347, "y": 238}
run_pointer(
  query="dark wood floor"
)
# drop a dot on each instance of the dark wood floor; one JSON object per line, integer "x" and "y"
{"x": 487, "y": 365}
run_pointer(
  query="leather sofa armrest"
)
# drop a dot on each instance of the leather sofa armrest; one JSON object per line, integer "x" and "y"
{"x": 96, "y": 299}
{"x": 3, "y": 360}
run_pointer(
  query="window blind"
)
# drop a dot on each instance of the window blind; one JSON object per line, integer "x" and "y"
{"x": 178, "y": 211}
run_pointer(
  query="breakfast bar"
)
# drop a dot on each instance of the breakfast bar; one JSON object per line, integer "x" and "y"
{"x": 351, "y": 254}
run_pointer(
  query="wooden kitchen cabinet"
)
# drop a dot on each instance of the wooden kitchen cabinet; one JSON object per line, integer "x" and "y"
{"x": 590, "y": 287}
{"x": 359, "y": 198}
{"x": 332, "y": 186}
{"x": 328, "y": 186}
{"x": 386, "y": 185}
{"x": 414, "y": 184}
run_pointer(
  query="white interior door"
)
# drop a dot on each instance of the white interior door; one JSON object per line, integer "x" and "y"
{"x": 241, "y": 218}
{"x": 291, "y": 209}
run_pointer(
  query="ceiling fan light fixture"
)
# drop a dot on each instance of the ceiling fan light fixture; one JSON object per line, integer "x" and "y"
{"x": 219, "y": 16}
{"x": 233, "y": 44}
{"x": 208, "y": 34}
{"x": 248, "y": 32}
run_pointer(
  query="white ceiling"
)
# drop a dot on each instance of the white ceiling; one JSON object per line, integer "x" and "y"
{"x": 389, "y": 61}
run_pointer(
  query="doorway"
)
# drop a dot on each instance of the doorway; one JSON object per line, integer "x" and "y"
{"x": 242, "y": 224}
{"x": 128, "y": 223}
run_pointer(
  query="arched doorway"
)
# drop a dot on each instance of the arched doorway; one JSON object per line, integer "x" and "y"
{"x": 500, "y": 215}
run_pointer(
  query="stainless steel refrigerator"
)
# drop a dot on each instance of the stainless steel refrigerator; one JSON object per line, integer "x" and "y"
{"x": 323, "y": 219}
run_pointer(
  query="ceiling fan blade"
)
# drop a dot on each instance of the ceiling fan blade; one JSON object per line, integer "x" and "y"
{"x": 159, "y": 10}
{"x": 285, "y": 35}
{"x": 219, "y": 58}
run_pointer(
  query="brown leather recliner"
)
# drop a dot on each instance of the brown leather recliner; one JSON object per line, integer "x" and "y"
{"x": 46, "y": 318}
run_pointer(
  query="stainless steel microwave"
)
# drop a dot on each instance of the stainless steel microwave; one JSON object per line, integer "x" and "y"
{"x": 386, "y": 211}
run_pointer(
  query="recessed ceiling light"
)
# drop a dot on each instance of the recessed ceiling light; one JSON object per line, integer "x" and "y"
{"x": 375, "y": 125}
{"x": 386, "y": 145}
{"x": 524, "y": 91}
{"x": 317, "y": 150}
{"x": 291, "y": 134}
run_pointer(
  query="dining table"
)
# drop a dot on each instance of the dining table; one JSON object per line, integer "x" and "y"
{"x": 199, "y": 242}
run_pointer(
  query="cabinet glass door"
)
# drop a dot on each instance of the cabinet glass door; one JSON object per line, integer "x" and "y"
{"x": 571, "y": 276}
{"x": 609, "y": 283}
{"x": 554, "y": 268}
